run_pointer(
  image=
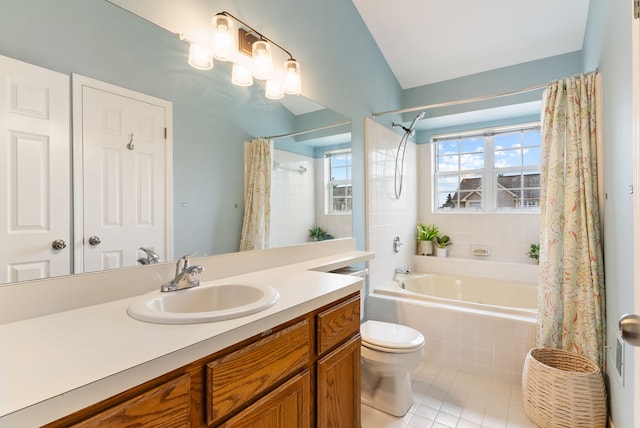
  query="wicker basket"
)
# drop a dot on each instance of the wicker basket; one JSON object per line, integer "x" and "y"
{"x": 563, "y": 389}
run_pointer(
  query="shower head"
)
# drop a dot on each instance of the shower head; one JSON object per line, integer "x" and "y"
{"x": 410, "y": 130}
{"x": 418, "y": 117}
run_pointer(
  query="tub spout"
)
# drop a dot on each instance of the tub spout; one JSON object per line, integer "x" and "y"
{"x": 401, "y": 271}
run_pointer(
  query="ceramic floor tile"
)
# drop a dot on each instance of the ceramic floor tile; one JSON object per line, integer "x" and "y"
{"x": 446, "y": 398}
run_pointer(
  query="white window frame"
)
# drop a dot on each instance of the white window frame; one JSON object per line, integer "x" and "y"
{"x": 329, "y": 197}
{"x": 488, "y": 174}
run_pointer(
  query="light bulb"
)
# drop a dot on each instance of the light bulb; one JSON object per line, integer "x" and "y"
{"x": 223, "y": 38}
{"x": 292, "y": 81}
{"x": 262, "y": 60}
{"x": 241, "y": 75}
{"x": 273, "y": 91}
{"x": 199, "y": 57}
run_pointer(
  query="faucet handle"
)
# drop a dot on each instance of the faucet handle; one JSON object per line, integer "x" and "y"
{"x": 185, "y": 262}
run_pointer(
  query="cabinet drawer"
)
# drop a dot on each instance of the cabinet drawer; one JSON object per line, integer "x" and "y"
{"x": 289, "y": 406}
{"x": 337, "y": 324}
{"x": 167, "y": 405}
{"x": 235, "y": 379}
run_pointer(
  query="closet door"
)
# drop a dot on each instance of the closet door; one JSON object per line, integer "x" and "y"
{"x": 35, "y": 212}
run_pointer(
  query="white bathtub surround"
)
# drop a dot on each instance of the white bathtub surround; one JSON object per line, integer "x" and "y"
{"x": 471, "y": 341}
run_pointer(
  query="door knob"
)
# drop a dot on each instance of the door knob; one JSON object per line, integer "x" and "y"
{"x": 94, "y": 240}
{"x": 59, "y": 244}
{"x": 629, "y": 325}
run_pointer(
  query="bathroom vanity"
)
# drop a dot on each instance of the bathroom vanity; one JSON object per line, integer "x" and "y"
{"x": 296, "y": 364}
{"x": 288, "y": 376}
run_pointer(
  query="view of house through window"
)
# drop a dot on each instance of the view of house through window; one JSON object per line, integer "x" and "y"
{"x": 494, "y": 169}
{"x": 339, "y": 196}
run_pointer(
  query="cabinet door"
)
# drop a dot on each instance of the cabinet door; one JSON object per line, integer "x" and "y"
{"x": 338, "y": 392}
{"x": 286, "y": 407}
{"x": 164, "y": 406}
{"x": 237, "y": 378}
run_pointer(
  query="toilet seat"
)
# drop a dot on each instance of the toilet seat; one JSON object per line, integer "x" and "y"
{"x": 388, "y": 337}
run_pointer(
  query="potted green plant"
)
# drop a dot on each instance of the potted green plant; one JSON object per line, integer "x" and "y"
{"x": 442, "y": 242}
{"x": 534, "y": 252}
{"x": 426, "y": 233}
{"x": 318, "y": 234}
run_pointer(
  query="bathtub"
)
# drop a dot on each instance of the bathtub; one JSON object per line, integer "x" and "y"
{"x": 500, "y": 297}
{"x": 476, "y": 325}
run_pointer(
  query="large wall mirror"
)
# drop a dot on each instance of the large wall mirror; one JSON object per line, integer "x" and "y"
{"x": 212, "y": 120}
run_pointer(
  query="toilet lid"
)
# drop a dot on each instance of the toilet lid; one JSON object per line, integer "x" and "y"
{"x": 391, "y": 336}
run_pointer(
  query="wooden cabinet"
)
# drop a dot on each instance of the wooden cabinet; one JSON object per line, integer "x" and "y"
{"x": 166, "y": 405}
{"x": 236, "y": 378}
{"x": 302, "y": 374}
{"x": 338, "y": 371}
{"x": 287, "y": 406}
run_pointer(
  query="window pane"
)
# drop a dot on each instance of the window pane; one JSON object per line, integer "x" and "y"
{"x": 507, "y": 158}
{"x": 532, "y": 156}
{"x": 468, "y": 162}
{"x": 532, "y": 138}
{"x": 460, "y": 192}
{"x": 448, "y": 163}
{"x": 447, "y": 147}
{"x": 472, "y": 145}
{"x": 520, "y": 190}
{"x": 339, "y": 174}
{"x": 448, "y": 183}
{"x": 507, "y": 141}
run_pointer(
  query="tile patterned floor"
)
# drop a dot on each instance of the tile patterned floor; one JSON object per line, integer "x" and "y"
{"x": 446, "y": 398}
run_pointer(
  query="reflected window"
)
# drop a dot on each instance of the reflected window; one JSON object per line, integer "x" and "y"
{"x": 339, "y": 188}
{"x": 484, "y": 170}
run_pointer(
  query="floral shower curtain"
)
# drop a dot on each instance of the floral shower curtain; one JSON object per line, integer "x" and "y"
{"x": 571, "y": 296}
{"x": 257, "y": 207}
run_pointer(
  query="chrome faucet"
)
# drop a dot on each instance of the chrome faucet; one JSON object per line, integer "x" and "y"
{"x": 401, "y": 271}
{"x": 151, "y": 257}
{"x": 185, "y": 275}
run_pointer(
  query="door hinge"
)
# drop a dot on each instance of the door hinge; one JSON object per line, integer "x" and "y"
{"x": 636, "y": 9}
{"x": 165, "y": 129}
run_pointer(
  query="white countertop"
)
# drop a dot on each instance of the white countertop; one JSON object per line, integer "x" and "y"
{"x": 53, "y": 365}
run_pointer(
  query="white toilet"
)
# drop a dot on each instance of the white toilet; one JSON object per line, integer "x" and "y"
{"x": 389, "y": 353}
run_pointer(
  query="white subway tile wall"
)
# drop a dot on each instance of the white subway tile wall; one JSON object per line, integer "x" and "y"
{"x": 292, "y": 199}
{"x": 388, "y": 216}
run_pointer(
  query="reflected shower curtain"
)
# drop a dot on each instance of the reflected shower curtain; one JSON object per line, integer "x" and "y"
{"x": 257, "y": 207}
{"x": 571, "y": 296}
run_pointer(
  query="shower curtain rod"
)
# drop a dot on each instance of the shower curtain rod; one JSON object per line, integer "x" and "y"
{"x": 320, "y": 128}
{"x": 463, "y": 101}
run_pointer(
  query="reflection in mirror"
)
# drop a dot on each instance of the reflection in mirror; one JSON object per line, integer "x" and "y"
{"x": 311, "y": 185}
{"x": 212, "y": 119}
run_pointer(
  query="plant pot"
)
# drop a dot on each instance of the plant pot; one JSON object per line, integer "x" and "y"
{"x": 425, "y": 248}
{"x": 441, "y": 252}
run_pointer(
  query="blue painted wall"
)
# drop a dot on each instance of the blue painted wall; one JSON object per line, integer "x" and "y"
{"x": 608, "y": 46}
{"x": 342, "y": 69}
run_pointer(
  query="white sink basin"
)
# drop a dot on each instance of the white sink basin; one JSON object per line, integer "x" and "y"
{"x": 205, "y": 303}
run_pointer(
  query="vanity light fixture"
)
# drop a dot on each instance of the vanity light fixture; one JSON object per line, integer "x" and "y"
{"x": 223, "y": 38}
{"x": 251, "y": 59}
{"x": 199, "y": 57}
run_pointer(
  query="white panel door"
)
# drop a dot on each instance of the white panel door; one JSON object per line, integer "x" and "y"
{"x": 126, "y": 178}
{"x": 35, "y": 172}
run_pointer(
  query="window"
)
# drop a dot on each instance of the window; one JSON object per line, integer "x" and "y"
{"x": 488, "y": 170}
{"x": 339, "y": 196}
